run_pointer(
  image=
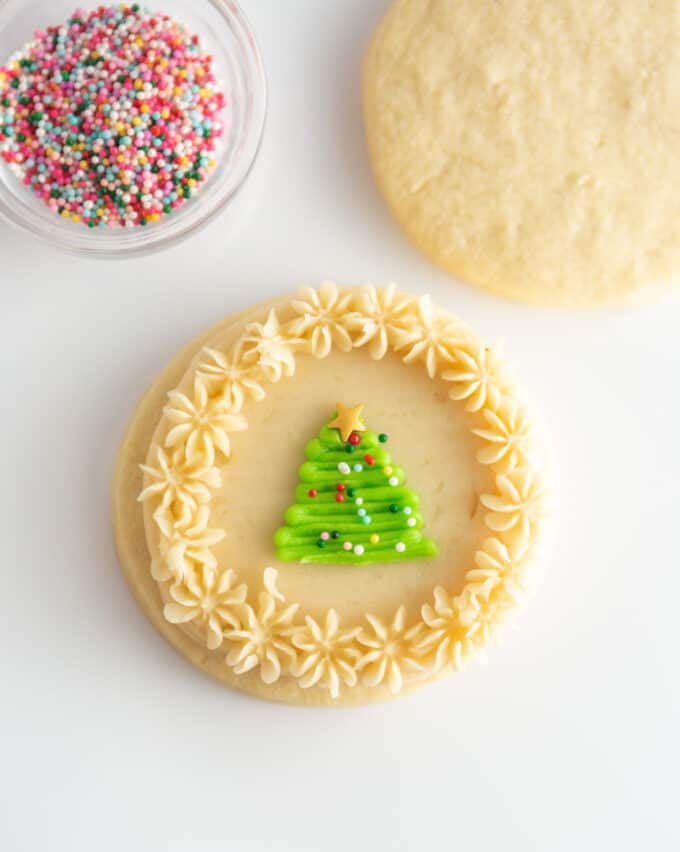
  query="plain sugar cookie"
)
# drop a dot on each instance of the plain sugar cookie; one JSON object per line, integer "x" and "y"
{"x": 332, "y": 498}
{"x": 533, "y": 148}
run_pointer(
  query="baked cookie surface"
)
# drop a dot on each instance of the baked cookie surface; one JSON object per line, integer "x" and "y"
{"x": 531, "y": 148}
{"x": 455, "y": 506}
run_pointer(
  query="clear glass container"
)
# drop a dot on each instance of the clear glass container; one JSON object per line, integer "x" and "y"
{"x": 226, "y": 34}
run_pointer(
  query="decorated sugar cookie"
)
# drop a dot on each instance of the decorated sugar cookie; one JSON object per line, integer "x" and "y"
{"x": 333, "y": 498}
{"x": 531, "y": 148}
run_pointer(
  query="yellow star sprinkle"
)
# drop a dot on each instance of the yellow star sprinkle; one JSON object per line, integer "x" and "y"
{"x": 348, "y": 420}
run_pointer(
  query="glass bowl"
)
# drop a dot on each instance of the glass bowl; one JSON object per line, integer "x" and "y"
{"x": 226, "y": 34}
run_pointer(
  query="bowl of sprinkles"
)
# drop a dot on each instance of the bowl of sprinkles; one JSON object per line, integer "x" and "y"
{"x": 124, "y": 128}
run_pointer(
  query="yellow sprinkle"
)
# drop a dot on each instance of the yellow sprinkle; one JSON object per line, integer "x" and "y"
{"x": 192, "y": 183}
{"x": 375, "y": 538}
{"x": 139, "y": 42}
{"x": 211, "y": 164}
{"x": 163, "y": 63}
{"x": 120, "y": 127}
{"x": 100, "y": 212}
{"x": 182, "y": 73}
{"x": 120, "y": 158}
{"x": 75, "y": 218}
{"x": 65, "y": 214}
{"x": 136, "y": 121}
{"x": 144, "y": 108}
{"x": 165, "y": 113}
{"x": 387, "y": 470}
{"x": 143, "y": 160}
{"x": 177, "y": 91}
{"x": 138, "y": 84}
{"x": 199, "y": 73}
{"x": 154, "y": 217}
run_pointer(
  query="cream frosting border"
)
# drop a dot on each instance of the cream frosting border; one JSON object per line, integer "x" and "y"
{"x": 266, "y": 632}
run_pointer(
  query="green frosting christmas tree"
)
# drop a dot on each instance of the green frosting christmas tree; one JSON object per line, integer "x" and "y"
{"x": 351, "y": 504}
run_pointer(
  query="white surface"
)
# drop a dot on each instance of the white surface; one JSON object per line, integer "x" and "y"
{"x": 109, "y": 741}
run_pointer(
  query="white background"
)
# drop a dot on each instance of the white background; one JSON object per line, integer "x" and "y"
{"x": 567, "y": 740}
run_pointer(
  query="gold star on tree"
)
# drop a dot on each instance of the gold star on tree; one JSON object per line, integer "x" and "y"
{"x": 348, "y": 420}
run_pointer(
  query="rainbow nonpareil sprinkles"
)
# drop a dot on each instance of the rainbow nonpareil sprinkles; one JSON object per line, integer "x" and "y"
{"x": 113, "y": 118}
